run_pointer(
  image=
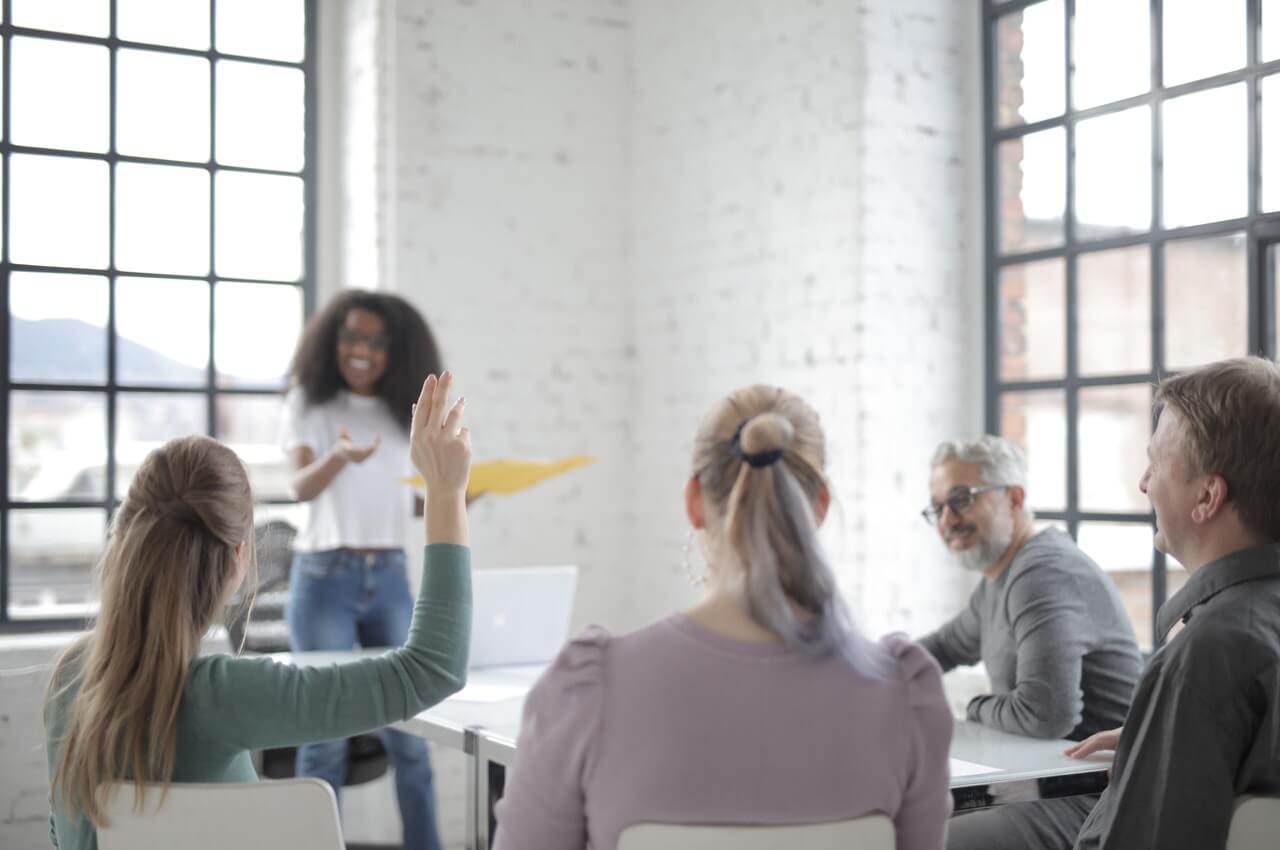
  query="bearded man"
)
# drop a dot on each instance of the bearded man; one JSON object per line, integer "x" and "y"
{"x": 1045, "y": 620}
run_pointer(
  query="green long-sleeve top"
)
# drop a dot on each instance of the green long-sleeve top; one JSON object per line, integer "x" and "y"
{"x": 233, "y": 705}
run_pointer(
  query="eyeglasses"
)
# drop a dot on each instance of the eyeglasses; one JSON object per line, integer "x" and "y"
{"x": 959, "y": 501}
{"x": 375, "y": 342}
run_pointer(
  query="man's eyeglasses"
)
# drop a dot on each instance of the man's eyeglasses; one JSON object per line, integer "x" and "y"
{"x": 376, "y": 342}
{"x": 959, "y": 501}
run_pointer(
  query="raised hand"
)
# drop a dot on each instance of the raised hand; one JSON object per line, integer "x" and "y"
{"x": 349, "y": 451}
{"x": 440, "y": 448}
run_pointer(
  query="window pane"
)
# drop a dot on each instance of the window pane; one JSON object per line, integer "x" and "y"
{"x": 60, "y": 94}
{"x": 1206, "y": 300}
{"x": 162, "y": 218}
{"x": 1033, "y": 190}
{"x": 259, "y": 226}
{"x": 1202, "y": 38}
{"x": 51, "y": 558}
{"x": 1269, "y": 47}
{"x": 1115, "y": 423}
{"x": 1273, "y": 285}
{"x": 163, "y": 107}
{"x": 179, "y": 23}
{"x": 260, "y": 116}
{"x": 1037, "y": 421}
{"x": 86, "y": 17}
{"x": 1114, "y": 311}
{"x": 58, "y": 327}
{"x": 168, "y": 352}
{"x": 57, "y": 446}
{"x": 1270, "y": 118}
{"x": 148, "y": 420}
{"x": 1033, "y": 341}
{"x": 250, "y": 424}
{"x": 58, "y": 211}
{"x": 1030, "y": 63}
{"x": 257, "y": 328}
{"x": 272, "y": 29}
{"x": 1125, "y": 552}
{"x": 1112, "y": 51}
{"x": 1113, "y": 174}
{"x": 1206, "y": 156}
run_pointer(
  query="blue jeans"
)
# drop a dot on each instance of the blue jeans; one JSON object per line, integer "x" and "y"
{"x": 339, "y": 599}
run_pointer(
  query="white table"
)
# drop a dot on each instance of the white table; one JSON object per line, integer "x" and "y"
{"x": 483, "y": 721}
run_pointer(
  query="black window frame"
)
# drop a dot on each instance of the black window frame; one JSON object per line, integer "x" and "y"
{"x": 111, "y": 388}
{"x": 1261, "y": 230}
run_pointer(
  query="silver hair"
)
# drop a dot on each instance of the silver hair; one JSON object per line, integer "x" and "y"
{"x": 999, "y": 460}
{"x": 759, "y": 458}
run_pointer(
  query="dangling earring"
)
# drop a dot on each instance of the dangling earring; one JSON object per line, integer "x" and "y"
{"x": 696, "y": 578}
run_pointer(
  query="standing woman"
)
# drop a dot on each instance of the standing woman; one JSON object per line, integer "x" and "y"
{"x": 358, "y": 366}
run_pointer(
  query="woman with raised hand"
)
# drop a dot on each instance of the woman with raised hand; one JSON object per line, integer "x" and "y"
{"x": 358, "y": 365}
{"x": 134, "y": 700}
{"x": 760, "y": 705}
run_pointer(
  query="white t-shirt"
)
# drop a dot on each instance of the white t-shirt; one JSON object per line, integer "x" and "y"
{"x": 367, "y": 505}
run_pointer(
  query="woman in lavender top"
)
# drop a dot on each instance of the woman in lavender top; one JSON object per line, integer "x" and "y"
{"x": 760, "y": 705}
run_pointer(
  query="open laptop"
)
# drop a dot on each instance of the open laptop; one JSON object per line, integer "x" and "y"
{"x": 520, "y": 615}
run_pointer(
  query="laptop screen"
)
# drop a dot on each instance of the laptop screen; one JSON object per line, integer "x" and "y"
{"x": 520, "y": 615}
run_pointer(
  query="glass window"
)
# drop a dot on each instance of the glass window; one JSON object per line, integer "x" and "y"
{"x": 1155, "y": 272}
{"x": 1114, "y": 313}
{"x": 1031, "y": 63}
{"x": 1037, "y": 422}
{"x": 1206, "y": 300}
{"x": 1269, "y": 46}
{"x": 162, "y": 107}
{"x": 1206, "y": 174}
{"x": 120, "y": 203}
{"x": 1270, "y": 120}
{"x": 1112, "y": 58}
{"x": 1033, "y": 188}
{"x": 1113, "y": 174}
{"x": 176, "y": 23}
{"x": 58, "y": 328}
{"x": 1202, "y": 38}
{"x": 1125, "y": 551}
{"x": 1033, "y": 333}
{"x": 1115, "y": 423}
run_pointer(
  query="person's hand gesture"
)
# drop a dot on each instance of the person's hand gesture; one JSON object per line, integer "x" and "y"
{"x": 439, "y": 447}
{"x": 349, "y": 451}
{"x": 1108, "y": 740}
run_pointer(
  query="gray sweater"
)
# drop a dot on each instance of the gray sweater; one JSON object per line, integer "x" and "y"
{"x": 1056, "y": 641}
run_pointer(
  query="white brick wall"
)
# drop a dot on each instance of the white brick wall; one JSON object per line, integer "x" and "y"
{"x": 614, "y": 212}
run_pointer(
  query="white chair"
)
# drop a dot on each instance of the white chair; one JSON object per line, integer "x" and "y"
{"x": 216, "y": 816}
{"x": 873, "y": 832}
{"x": 1255, "y": 825}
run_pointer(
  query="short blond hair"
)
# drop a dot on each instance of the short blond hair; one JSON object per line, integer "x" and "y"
{"x": 1230, "y": 412}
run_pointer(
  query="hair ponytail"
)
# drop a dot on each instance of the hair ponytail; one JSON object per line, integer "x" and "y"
{"x": 167, "y": 570}
{"x": 761, "y": 456}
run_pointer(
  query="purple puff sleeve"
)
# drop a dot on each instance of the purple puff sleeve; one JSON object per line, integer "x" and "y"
{"x": 544, "y": 806}
{"x": 921, "y": 821}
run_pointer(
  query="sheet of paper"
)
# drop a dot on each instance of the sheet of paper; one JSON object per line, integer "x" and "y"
{"x": 483, "y": 692}
{"x": 960, "y": 767}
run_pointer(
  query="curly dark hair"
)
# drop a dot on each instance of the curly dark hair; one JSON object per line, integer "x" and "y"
{"x": 412, "y": 356}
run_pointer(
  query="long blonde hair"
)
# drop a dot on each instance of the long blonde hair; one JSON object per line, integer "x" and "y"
{"x": 759, "y": 458}
{"x": 166, "y": 572}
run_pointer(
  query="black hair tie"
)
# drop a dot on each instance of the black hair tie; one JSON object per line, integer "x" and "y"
{"x": 756, "y": 460}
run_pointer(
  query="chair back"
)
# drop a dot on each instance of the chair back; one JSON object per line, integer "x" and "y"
{"x": 219, "y": 816}
{"x": 1255, "y": 825}
{"x": 873, "y": 832}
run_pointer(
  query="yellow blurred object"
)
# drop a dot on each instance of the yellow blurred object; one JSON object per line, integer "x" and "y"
{"x": 511, "y": 476}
